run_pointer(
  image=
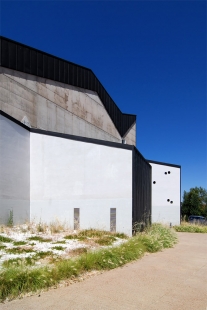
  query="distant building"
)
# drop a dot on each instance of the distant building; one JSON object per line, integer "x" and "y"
{"x": 67, "y": 152}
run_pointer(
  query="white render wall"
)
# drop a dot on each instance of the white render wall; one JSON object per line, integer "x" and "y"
{"x": 67, "y": 174}
{"x": 167, "y": 187}
{"x": 14, "y": 171}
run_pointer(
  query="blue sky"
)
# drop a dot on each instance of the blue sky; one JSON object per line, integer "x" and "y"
{"x": 149, "y": 55}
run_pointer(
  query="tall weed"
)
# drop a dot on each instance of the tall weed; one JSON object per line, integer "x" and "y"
{"x": 158, "y": 237}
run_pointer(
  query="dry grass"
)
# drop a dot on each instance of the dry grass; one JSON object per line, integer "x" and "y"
{"x": 35, "y": 228}
{"x": 191, "y": 228}
{"x": 17, "y": 279}
{"x": 79, "y": 251}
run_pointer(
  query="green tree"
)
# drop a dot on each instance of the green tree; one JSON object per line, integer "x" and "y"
{"x": 194, "y": 202}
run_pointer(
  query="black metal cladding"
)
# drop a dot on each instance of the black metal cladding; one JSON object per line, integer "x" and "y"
{"x": 16, "y": 56}
{"x": 141, "y": 209}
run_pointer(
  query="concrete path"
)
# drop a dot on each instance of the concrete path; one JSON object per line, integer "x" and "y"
{"x": 175, "y": 279}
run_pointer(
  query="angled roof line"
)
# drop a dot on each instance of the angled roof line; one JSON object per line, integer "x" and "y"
{"x": 164, "y": 164}
{"x": 68, "y": 136}
{"x": 20, "y": 57}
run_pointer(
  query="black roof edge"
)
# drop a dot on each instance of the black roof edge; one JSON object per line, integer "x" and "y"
{"x": 68, "y": 136}
{"x": 45, "y": 53}
{"x": 129, "y": 114}
{"x": 164, "y": 164}
{"x": 14, "y": 120}
{"x": 122, "y": 121}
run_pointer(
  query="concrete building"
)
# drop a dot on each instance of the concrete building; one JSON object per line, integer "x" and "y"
{"x": 67, "y": 152}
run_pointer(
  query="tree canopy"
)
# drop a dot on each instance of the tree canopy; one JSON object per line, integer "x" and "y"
{"x": 195, "y": 202}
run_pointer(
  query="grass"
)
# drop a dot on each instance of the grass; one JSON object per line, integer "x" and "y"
{"x": 42, "y": 254}
{"x": 78, "y": 251}
{"x": 191, "y": 228}
{"x": 19, "y": 243}
{"x": 71, "y": 237}
{"x": 93, "y": 233}
{"x": 19, "y": 250}
{"x": 54, "y": 227}
{"x": 101, "y": 237}
{"x": 106, "y": 240}
{"x": 5, "y": 239}
{"x": 59, "y": 248}
{"x": 26, "y": 261}
{"x": 10, "y": 221}
{"x": 18, "y": 280}
{"x": 57, "y": 226}
{"x": 157, "y": 238}
{"x": 40, "y": 239}
{"x": 12, "y": 262}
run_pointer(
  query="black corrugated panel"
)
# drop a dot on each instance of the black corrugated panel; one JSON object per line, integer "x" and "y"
{"x": 40, "y": 68}
{"x": 20, "y": 59}
{"x": 4, "y": 53}
{"x": 12, "y": 51}
{"x": 50, "y": 68}
{"x": 16, "y": 56}
{"x": 27, "y": 68}
{"x": 86, "y": 73}
{"x": 46, "y": 68}
{"x": 61, "y": 70}
{"x": 141, "y": 209}
{"x": 34, "y": 62}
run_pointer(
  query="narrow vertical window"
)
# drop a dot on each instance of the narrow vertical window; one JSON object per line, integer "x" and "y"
{"x": 76, "y": 218}
{"x": 112, "y": 219}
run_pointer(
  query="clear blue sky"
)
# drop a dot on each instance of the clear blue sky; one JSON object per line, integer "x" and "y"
{"x": 149, "y": 55}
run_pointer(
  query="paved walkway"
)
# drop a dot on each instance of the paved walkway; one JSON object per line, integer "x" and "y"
{"x": 175, "y": 279}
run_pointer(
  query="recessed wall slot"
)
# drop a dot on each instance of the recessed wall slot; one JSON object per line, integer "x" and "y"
{"x": 112, "y": 219}
{"x": 76, "y": 218}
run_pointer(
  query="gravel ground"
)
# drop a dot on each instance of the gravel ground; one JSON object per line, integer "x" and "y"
{"x": 24, "y": 232}
{"x": 175, "y": 279}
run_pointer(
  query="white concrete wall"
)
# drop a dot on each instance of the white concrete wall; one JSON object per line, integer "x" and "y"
{"x": 14, "y": 171}
{"x": 68, "y": 174}
{"x": 130, "y": 137}
{"x": 55, "y": 106}
{"x": 167, "y": 187}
